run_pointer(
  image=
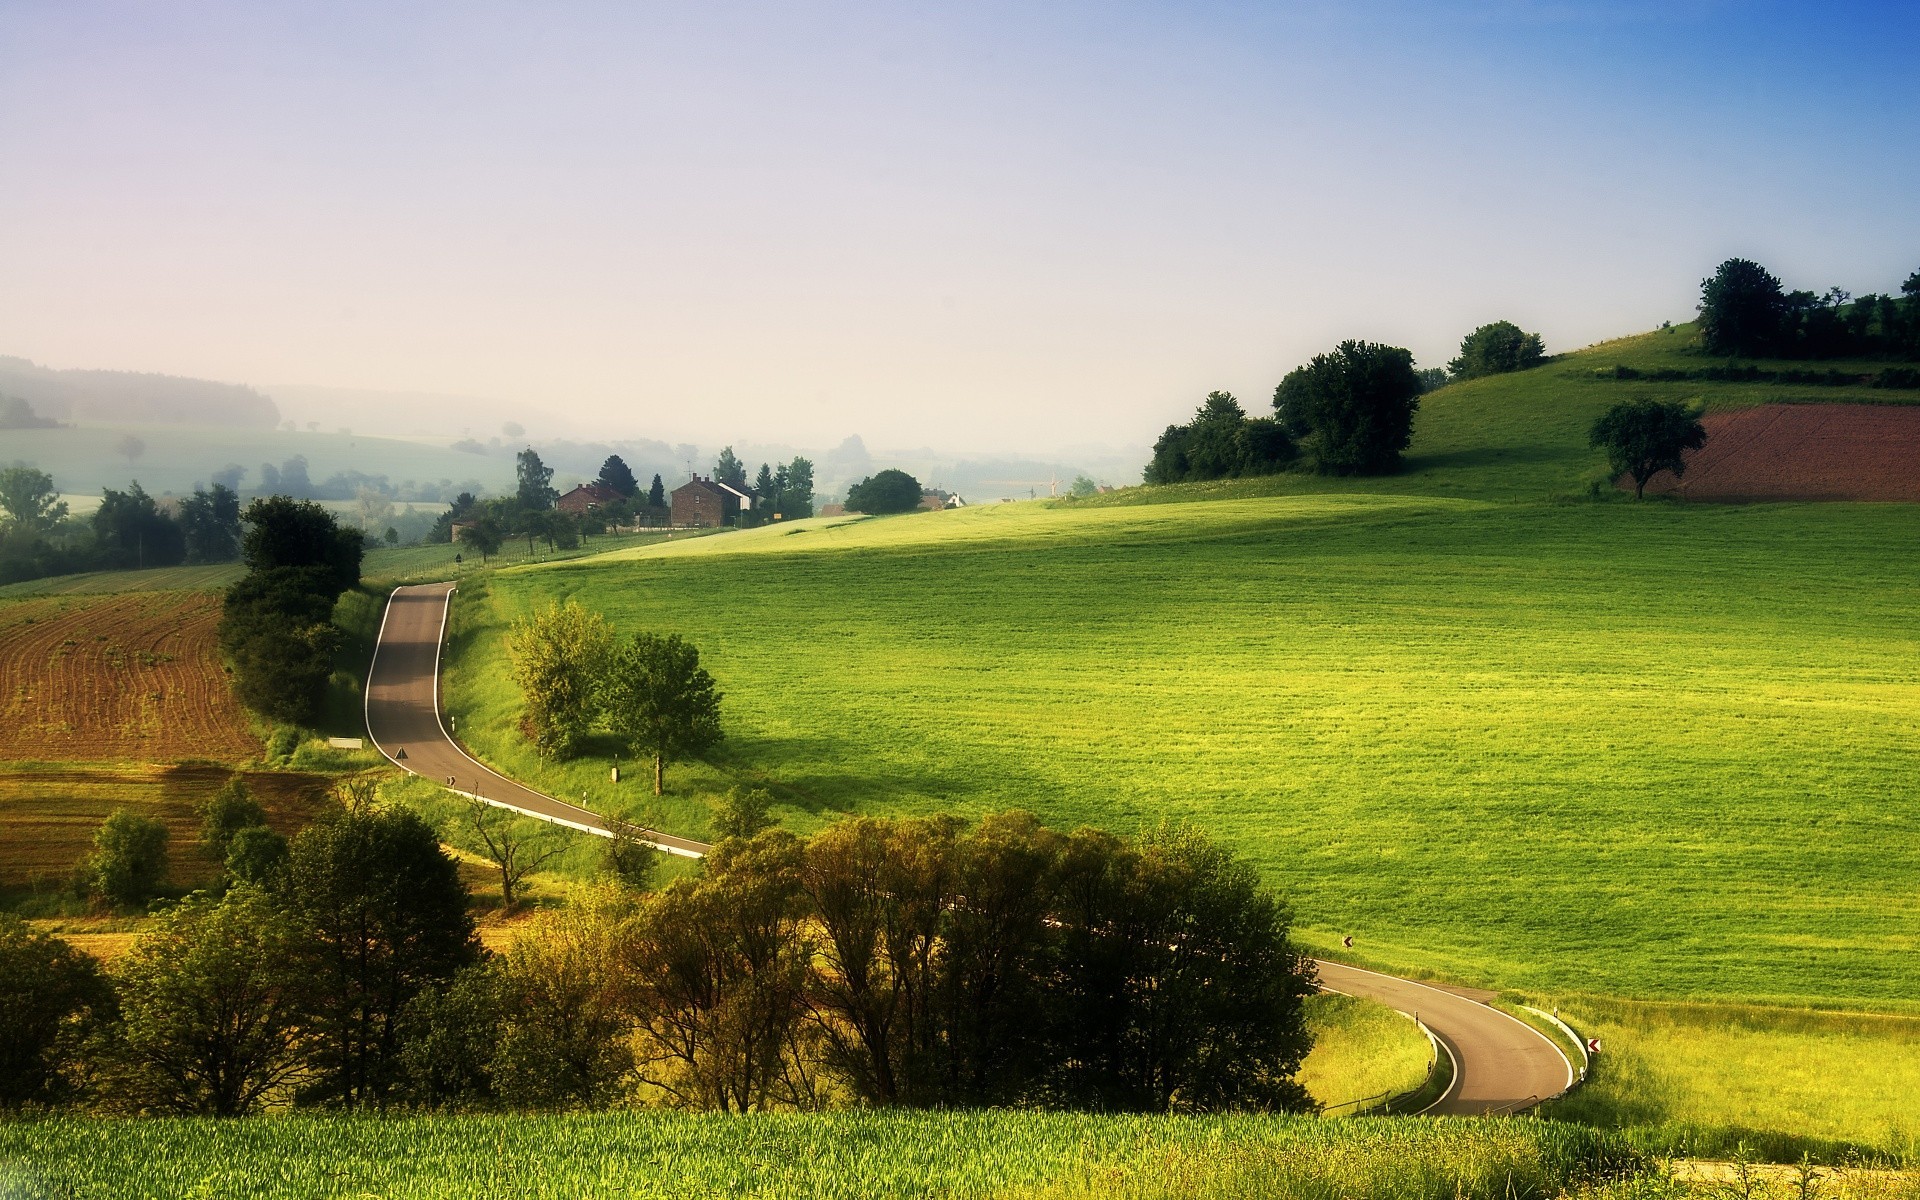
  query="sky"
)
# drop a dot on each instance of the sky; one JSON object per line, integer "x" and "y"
{"x": 1016, "y": 226}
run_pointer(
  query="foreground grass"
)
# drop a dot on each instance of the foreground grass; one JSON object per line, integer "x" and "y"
{"x": 963, "y": 1154}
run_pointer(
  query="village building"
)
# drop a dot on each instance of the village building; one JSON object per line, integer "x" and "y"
{"x": 708, "y": 504}
{"x": 587, "y": 497}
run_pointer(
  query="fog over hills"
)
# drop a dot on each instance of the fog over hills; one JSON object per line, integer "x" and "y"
{"x": 134, "y": 398}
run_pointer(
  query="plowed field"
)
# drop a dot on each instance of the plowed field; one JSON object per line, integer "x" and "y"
{"x": 1804, "y": 452}
{"x": 48, "y": 815}
{"x": 135, "y": 676}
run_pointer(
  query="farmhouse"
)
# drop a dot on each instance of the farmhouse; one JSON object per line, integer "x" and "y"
{"x": 587, "y": 497}
{"x": 708, "y": 503}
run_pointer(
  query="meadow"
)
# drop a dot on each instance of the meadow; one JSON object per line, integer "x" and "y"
{"x": 791, "y": 1157}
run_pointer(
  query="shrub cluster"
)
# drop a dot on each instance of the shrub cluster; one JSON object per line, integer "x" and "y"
{"x": 1221, "y": 442}
{"x": 1745, "y": 311}
{"x": 913, "y": 963}
{"x": 277, "y": 627}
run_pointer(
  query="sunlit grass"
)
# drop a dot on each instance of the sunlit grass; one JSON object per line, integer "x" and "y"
{"x": 1362, "y": 1050}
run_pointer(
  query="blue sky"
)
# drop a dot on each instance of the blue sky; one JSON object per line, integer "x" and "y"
{"x": 983, "y": 225}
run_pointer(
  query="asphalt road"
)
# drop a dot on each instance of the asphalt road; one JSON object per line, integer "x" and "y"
{"x": 404, "y": 720}
{"x": 1500, "y": 1064}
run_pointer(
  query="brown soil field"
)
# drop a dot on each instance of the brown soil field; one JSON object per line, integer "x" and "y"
{"x": 48, "y": 815}
{"x": 134, "y": 676}
{"x": 1804, "y": 452}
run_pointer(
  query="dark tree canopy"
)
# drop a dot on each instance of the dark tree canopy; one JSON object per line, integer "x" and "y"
{"x": 47, "y": 988}
{"x": 615, "y": 474}
{"x": 890, "y": 491}
{"x": 1645, "y": 437}
{"x": 1742, "y": 309}
{"x": 131, "y": 531}
{"x": 1221, "y": 442}
{"x": 283, "y": 532}
{"x": 210, "y": 521}
{"x": 1496, "y": 349}
{"x": 728, "y": 469}
{"x": 656, "y": 493}
{"x": 661, "y": 701}
{"x": 129, "y": 862}
{"x": 534, "y": 488}
{"x": 1354, "y": 406}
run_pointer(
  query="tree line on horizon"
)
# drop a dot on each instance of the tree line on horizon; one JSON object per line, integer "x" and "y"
{"x": 919, "y": 963}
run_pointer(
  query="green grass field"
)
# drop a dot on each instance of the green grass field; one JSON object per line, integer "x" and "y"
{"x": 825, "y": 1156}
{"x": 1363, "y": 1052}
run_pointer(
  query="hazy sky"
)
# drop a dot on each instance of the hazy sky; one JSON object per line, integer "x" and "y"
{"x": 976, "y": 225}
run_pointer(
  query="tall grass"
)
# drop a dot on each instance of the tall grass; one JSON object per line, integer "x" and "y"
{"x": 793, "y": 1157}
{"x": 1361, "y": 1050}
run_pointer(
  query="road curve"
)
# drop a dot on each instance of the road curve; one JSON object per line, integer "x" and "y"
{"x": 1500, "y": 1064}
{"x": 404, "y": 722}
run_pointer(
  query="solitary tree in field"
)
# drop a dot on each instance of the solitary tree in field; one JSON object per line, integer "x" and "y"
{"x": 889, "y": 491}
{"x": 129, "y": 447}
{"x": 129, "y": 861}
{"x": 1495, "y": 349}
{"x": 517, "y": 846}
{"x": 1645, "y": 437}
{"x": 661, "y": 701}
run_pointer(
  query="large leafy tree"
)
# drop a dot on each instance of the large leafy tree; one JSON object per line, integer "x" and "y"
{"x": 728, "y": 469}
{"x": 131, "y": 531}
{"x": 128, "y": 866}
{"x": 49, "y": 993}
{"x": 1645, "y": 437}
{"x": 1743, "y": 310}
{"x": 561, "y": 657}
{"x": 661, "y": 701}
{"x": 214, "y": 1003}
{"x": 889, "y": 491}
{"x": 796, "y": 491}
{"x": 1219, "y": 443}
{"x": 283, "y": 532}
{"x": 382, "y": 916}
{"x": 615, "y": 474}
{"x": 1355, "y": 404}
{"x": 1496, "y": 349}
{"x": 210, "y": 521}
{"x": 31, "y": 504}
{"x": 534, "y": 487}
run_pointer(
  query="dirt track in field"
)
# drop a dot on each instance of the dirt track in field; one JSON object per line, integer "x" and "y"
{"x": 134, "y": 676}
{"x": 1804, "y": 452}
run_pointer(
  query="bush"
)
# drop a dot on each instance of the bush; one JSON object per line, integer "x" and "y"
{"x": 1219, "y": 443}
{"x": 1356, "y": 404}
{"x": 1496, "y": 349}
{"x": 48, "y": 992}
{"x": 129, "y": 862}
{"x": 890, "y": 491}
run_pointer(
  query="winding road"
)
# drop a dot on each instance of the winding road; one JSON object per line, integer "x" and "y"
{"x": 1500, "y": 1064}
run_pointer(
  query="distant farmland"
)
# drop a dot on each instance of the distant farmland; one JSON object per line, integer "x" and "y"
{"x": 134, "y": 676}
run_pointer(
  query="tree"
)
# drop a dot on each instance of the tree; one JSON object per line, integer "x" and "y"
{"x": 210, "y": 524}
{"x": 132, "y": 531}
{"x": 213, "y": 1003}
{"x": 1496, "y": 349}
{"x": 627, "y": 861}
{"x": 1742, "y": 310}
{"x": 284, "y": 532}
{"x": 129, "y": 447}
{"x": 730, "y": 470}
{"x": 720, "y": 969}
{"x": 128, "y": 866}
{"x": 660, "y": 701}
{"x": 1355, "y": 404}
{"x": 561, "y": 656}
{"x": 1645, "y": 437}
{"x": 744, "y": 813}
{"x": 796, "y": 494}
{"x": 49, "y": 994}
{"x": 656, "y": 494}
{"x": 391, "y": 537}
{"x": 231, "y": 809}
{"x": 766, "y": 493}
{"x": 890, "y": 491}
{"x": 484, "y": 535}
{"x": 615, "y": 474}
{"x": 372, "y": 508}
{"x": 32, "y": 505}
{"x": 276, "y": 628}
{"x": 1219, "y": 443}
{"x": 517, "y": 846}
{"x": 382, "y": 916}
{"x": 535, "y": 481}
{"x": 256, "y": 855}
{"x": 567, "y": 1021}
{"x": 1083, "y": 486}
{"x": 450, "y": 1038}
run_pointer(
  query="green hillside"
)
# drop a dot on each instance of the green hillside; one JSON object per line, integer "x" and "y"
{"x": 1647, "y": 749}
{"x": 1523, "y": 437}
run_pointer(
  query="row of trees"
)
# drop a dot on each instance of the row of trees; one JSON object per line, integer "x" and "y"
{"x": 129, "y": 530}
{"x": 914, "y": 963}
{"x": 648, "y": 691}
{"x": 1745, "y": 311}
{"x": 276, "y": 627}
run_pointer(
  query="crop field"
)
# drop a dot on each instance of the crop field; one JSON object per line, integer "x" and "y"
{"x": 49, "y": 812}
{"x": 1649, "y": 750}
{"x": 135, "y": 676}
{"x": 955, "y": 1154}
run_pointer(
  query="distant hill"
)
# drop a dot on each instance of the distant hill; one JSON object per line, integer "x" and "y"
{"x": 134, "y": 398}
